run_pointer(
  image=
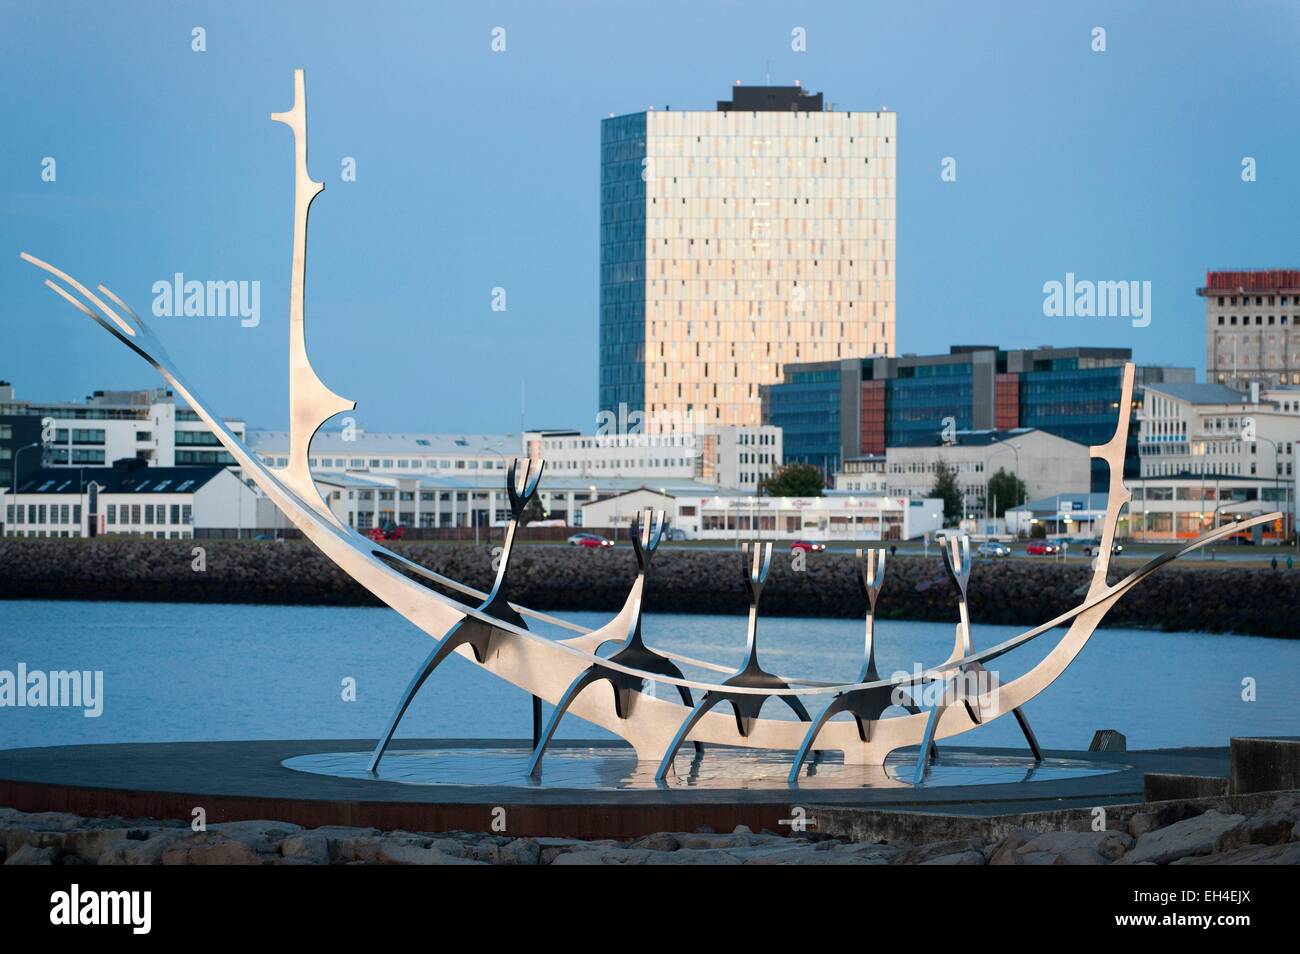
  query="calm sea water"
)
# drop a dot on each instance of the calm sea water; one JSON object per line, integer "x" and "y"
{"x": 205, "y": 672}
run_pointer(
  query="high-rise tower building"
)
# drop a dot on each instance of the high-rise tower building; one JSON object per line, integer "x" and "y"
{"x": 737, "y": 240}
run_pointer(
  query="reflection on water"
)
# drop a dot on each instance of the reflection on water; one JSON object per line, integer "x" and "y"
{"x": 616, "y": 768}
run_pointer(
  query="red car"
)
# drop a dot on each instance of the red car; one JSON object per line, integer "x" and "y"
{"x": 388, "y": 531}
{"x": 807, "y": 546}
{"x": 1041, "y": 548}
{"x": 593, "y": 540}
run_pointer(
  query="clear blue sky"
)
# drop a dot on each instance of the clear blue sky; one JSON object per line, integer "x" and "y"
{"x": 477, "y": 169}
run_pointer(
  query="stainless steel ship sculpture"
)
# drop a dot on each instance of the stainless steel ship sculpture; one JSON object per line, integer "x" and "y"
{"x": 612, "y": 691}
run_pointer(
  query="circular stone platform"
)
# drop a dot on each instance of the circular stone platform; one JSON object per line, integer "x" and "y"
{"x": 606, "y": 768}
{"x": 588, "y": 789}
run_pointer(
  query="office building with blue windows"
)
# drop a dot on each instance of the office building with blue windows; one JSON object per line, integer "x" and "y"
{"x": 832, "y": 411}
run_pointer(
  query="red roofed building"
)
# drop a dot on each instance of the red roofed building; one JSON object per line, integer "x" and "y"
{"x": 1252, "y": 327}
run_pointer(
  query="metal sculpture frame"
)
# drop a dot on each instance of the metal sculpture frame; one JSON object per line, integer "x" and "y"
{"x": 472, "y": 632}
{"x": 750, "y": 675}
{"x": 489, "y": 631}
{"x": 866, "y": 706}
{"x": 645, "y": 532}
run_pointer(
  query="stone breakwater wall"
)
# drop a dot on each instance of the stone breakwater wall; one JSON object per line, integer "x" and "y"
{"x": 1265, "y": 831}
{"x": 1019, "y": 592}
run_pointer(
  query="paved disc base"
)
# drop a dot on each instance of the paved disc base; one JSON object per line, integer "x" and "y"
{"x": 604, "y": 768}
{"x": 588, "y": 789}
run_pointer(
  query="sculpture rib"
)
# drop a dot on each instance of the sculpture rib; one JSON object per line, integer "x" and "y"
{"x": 544, "y": 667}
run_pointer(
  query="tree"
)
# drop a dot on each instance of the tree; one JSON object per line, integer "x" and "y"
{"x": 795, "y": 480}
{"x": 946, "y": 489}
{"x": 1005, "y": 490}
{"x": 533, "y": 511}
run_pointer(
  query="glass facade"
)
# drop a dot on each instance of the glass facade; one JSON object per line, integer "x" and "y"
{"x": 622, "y": 262}
{"x": 807, "y": 408}
{"x": 1057, "y": 396}
{"x": 917, "y": 405}
{"x": 1079, "y": 404}
{"x": 734, "y": 243}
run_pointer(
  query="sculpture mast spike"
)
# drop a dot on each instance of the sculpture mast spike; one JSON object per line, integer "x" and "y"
{"x": 1117, "y": 495}
{"x": 311, "y": 403}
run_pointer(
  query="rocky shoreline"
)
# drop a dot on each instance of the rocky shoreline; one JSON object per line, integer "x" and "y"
{"x": 1263, "y": 830}
{"x": 1016, "y": 592}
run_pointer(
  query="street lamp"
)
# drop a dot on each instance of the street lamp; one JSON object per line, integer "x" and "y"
{"x": 15, "y": 485}
{"x": 1214, "y": 520}
{"x": 1015, "y": 449}
{"x": 1277, "y": 478}
{"x": 494, "y": 447}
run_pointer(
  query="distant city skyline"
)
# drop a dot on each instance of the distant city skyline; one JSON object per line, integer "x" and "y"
{"x": 477, "y": 171}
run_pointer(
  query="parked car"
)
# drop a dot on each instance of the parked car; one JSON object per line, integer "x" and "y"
{"x": 807, "y": 546}
{"x": 991, "y": 548}
{"x": 387, "y": 531}
{"x": 675, "y": 533}
{"x": 592, "y": 540}
{"x": 1040, "y": 548}
{"x": 1094, "y": 546}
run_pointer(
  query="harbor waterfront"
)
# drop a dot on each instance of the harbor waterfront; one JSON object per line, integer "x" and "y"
{"x": 174, "y": 672}
{"x": 1194, "y": 595}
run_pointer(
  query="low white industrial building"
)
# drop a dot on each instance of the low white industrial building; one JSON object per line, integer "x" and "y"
{"x": 741, "y": 457}
{"x": 374, "y": 500}
{"x": 1046, "y": 463}
{"x": 128, "y": 498}
{"x": 353, "y": 449}
{"x": 833, "y": 517}
{"x": 738, "y": 457}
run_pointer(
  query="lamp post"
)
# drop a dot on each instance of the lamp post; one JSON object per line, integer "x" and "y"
{"x": 15, "y": 486}
{"x": 1214, "y": 522}
{"x": 1015, "y": 449}
{"x": 1277, "y": 478}
{"x": 494, "y": 447}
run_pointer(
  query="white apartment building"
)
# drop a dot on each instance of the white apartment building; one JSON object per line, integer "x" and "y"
{"x": 741, "y": 457}
{"x": 835, "y": 517}
{"x": 1211, "y": 429}
{"x": 109, "y": 426}
{"x": 737, "y": 240}
{"x": 1046, "y": 463}
{"x": 128, "y": 498}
